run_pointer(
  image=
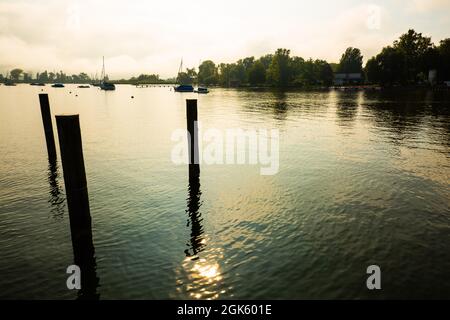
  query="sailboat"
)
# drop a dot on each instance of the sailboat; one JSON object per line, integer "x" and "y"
{"x": 182, "y": 87}
{"x": 104, "y": 85}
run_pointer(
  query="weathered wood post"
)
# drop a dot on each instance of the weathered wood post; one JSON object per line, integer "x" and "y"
{"x": 193, "y": 204}
{"x": 192, "y": 127}
{"x": 48, "y": 128}
{"x": 78, "y": 202}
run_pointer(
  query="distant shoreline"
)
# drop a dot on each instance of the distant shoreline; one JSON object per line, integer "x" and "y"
{"x": 351, "y": 88}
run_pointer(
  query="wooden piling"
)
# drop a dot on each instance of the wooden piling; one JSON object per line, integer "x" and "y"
{"x": 192, "y": 127}
{"x": 72, "y": 159}
{"x": 48, "y": 128}
{"x": 70, "y": 143}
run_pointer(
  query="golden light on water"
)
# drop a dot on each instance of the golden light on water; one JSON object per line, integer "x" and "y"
{"x": 202, "y": 278}
{"x": 206, "y": 271}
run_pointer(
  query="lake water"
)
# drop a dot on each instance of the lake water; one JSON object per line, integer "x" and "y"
{"x": 363, "y": 179}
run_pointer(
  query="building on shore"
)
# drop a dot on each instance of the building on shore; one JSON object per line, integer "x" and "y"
{"x": 341, "y": 79}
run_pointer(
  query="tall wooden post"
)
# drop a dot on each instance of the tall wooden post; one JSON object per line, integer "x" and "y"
{"x": 48, "y": 128}
{"x": 78, "y": 202}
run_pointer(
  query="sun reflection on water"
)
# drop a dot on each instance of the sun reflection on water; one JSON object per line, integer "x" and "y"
{"x": 201, "y": 277}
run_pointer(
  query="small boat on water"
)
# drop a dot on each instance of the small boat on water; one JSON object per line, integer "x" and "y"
{"x": 57, "y": 85}
{"x": 83, "y": 86}
{"x": 104, "y": 85}
{"x": 202, "y": 90}
{"x": 107, "y": 86}
{"x": 184, "y": 88}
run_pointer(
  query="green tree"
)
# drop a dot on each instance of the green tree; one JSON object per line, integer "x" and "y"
{"x": 297, "y": 66}
{"x": 15, "y": 74}
{"x": 239, "y": 72}
{"x": 444, "y": 60}
{"x": 231, "y": 74}
{"x": 308, "y": 76}
{"x": 43, "y": 77}
{"x": 266, "y": 60}
{"x": 390, "y": 62}
{"x": 75, "y": 78}
{"x": 146, "y": 78}
{"x": 372, "y": 70}
{"x": 257, "y": 73}
{"x": 334, "y": 67}
{"x": 351, "y": 61}
{"x": 84, "y": 78}
{"x": 187, "y": 77}
{"x": 247, "y": 64}
{"x": 323, "y": 72}
{"x": 207, "y": 73}
{"x": 414, "y": 48}
{"x": 26, "y": 76}
{"x": 279, "y": 72}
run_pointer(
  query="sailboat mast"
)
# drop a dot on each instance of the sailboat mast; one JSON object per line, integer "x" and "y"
{"x": 180, "y": 69}
{"x": 103, "y": 75}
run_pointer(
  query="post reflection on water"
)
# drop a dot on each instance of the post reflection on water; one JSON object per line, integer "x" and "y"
{"x": 56, "y": 197}
{"x": 200, "y": 276}
{"x": 197, "y": 242}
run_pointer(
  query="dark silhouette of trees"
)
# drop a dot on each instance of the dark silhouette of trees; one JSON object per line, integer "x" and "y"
{"x": 207, "y": 73}
{"x": 387, "y": 67}
{"x": 414, "y": 47}
{"x": 279, "y": 72}
{"x": 409, "y": 60}
{"x": 351, "y": 61}
{"x": 257, "y": 73}
{"x": 187, "y": 77}
{"x": 444, "y": 60}
{"x": 15, "y": 74}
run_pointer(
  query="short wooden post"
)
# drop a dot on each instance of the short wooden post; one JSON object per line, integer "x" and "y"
{"x": 192, "y": 128}
{"x": 78, "y": 202}
{"x": 48, "y": 128}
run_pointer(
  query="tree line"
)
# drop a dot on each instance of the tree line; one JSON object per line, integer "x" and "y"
{"x": 18, "y": 75}
{"x": 407, "y": 61}
{"x": 279, "y": 69}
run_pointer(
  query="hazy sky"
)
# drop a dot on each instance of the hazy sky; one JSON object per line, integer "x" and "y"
{"x": 152, "y": 36}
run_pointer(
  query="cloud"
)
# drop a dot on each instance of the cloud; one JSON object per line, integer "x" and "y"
{"x": 151, "y": 37}
{"x": 424, "y": 6}
{"x": 366, "y": 27}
